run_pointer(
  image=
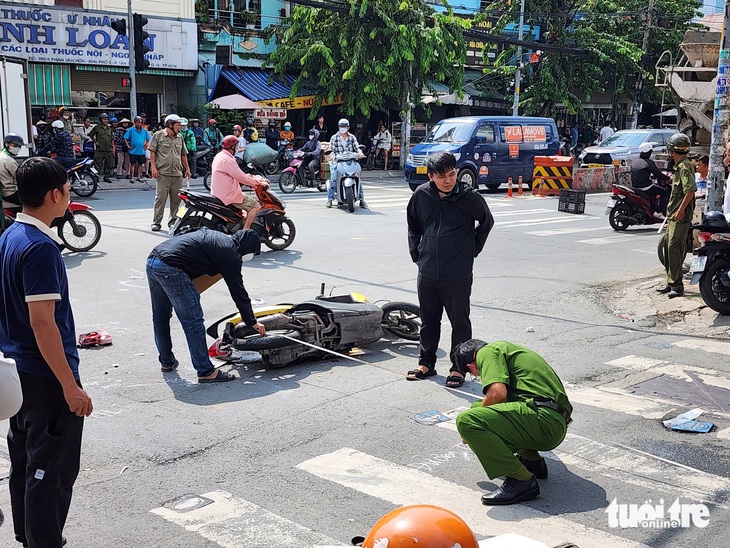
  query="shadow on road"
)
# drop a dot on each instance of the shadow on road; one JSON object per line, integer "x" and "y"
{"x": 72, "y": 260}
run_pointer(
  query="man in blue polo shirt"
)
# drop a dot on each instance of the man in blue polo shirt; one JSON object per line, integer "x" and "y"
{"x": 138, "y": 139}
{"x": 37, "y": 331}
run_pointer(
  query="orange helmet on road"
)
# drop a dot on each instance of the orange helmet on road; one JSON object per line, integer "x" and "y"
{"x": 420, "y": 526}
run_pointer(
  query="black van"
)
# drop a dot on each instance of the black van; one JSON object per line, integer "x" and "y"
{"x": 488, "y": 149}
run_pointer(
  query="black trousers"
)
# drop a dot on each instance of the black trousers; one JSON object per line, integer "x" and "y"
{"x": 44, "y": 443}
{"x": 435, "y": 296}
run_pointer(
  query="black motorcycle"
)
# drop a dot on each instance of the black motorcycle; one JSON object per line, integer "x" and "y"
{"x": 376, "y": 160}
{"x": 283, "y": 158}
{"x": 275, "y": 229}
{"x": 84, "y": 177}
{"x": 711, "y": 262}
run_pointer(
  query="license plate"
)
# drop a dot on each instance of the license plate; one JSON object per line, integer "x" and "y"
{"x": 421, "y": 170}
{"x": 610, "y": 205}
{"x": 181, "y": 211}
{"x": 94, "y": 171}
{"x": 698, "y": 264}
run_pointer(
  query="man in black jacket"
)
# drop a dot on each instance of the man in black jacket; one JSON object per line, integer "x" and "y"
{"x": 171, "y": 268}
{"x": 642, "y": 171}
{"x": 448, "y": 225}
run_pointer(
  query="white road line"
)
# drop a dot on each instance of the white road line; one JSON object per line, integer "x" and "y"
{"x": 708, "y": 345}
{"x": 232, "y": 522}
{"x": 521, "y": 212}
{"x": 640, "y": 363}
{"x": 561, "y": 231}
{"x": 609, "y": 239}
{"x": 618, "y": 401}
{"x": 402, "y": 486}
{"x": 547, "y": 221}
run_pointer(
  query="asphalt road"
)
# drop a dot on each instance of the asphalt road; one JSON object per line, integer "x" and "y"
{"x": 313, "y": 454}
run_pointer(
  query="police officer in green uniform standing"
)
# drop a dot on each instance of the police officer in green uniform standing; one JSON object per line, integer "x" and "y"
{"x": 673, "y": 245}
{"x": 103, "y": 137}
{"x": 524, "y": 410}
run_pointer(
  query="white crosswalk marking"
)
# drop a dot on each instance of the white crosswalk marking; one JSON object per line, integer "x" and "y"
{"x": 609, "y": 239}
{"x": 548, "y": 221}
{"x": 571, "y": 230}
{"x": 521, "y": 212}
{"x": 708, "y": 345}
{"x": 403, "y": 486}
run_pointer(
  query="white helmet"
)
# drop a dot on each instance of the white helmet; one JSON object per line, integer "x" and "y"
{"x": 172, "y": 118}
{"x": 645, "y": 147}
{"x": 344, "y": 122}
{"x": 58, "y": 124}
{"x": 184, "y": 121}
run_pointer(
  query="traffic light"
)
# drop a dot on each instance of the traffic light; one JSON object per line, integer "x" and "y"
{"x": 120, "y": 25}
{"x": 140, "y": 48}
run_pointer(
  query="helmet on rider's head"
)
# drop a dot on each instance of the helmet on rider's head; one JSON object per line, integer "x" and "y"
{"x": 249, "y": 122}
{"x": 237, "y": 128}
{"x": 287, "y": 125}
{"x": 272, "y": 122}
{"x": 420, "y": 525}
{"x": 211, "y": 121}
{"x": 15, "y": 139}
{"x": 716, "y": 219}
{"x": 679, "y": 143}
{"x": 184, "y": 121}
{"x": 645, "y": 147}
{"x": 172, "y": 119}
{"x": 113, "y": 120}
{"x": 137, "y": 118}
{"x": 344, "y": 122}
{"x": 229, "y": 141}
{"x": 103, "y": 115}
{"x": 58, "y": 124}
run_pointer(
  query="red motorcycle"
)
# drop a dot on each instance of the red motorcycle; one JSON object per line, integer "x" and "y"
{"x": 79, "y": 228}
{"x": 272, "y": 225}
{"x": 629, "y": 206}
{"x": 297, "y": 174}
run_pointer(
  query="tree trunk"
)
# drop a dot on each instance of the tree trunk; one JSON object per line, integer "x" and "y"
{"x": 405, "y": 128}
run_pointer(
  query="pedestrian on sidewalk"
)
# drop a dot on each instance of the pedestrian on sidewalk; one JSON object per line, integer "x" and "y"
{"x": 169, "y": 159}
{"x": 137, "y": 139}
{"x": 37, "y": 331}
{"x": 171, "y": 268}
{"x": 524, "y": 410}
{"x": 448, "y": 225}
{"x": 103, "y": 137}
{"x": 122, "y": 151}
{"x": 673, "y": 245}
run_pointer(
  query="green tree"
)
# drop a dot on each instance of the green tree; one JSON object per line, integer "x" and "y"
{"x": 610, "y": 32}
{"x": 372, "y": 51}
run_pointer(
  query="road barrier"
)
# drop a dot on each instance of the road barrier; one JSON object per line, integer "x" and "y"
{"x": 555, "y": 171}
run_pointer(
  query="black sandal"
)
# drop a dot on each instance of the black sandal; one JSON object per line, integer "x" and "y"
{"x": 220, "y": 377}
{"x": 169, "y": 368}
{"x": 417, "y": 374}
{"x": 454, "y": 381}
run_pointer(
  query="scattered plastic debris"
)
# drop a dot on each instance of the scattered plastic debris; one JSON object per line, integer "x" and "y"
{"x": 139, "y": 354}
{"x": 430, "y": 417}
{"x": 124, "y": 470}
{"x": 95, "y": 338}
{"x": 530, "y": 329}
{"x": 661, "y": 345}
{"x": 686, "y": 422}
{"x": 625, "y": 318}
{"x": 136, "y": 274}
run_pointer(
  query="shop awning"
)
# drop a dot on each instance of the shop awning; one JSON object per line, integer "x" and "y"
{"x": 254, "y": 84}
{"x": 125, "y": 70}
{"x": 233, "y": 102}
{"x": 50, "y": 85}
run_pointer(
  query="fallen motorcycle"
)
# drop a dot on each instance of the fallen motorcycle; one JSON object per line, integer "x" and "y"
{"x": 711, "y": 262}
{"x": 313, "y": 329}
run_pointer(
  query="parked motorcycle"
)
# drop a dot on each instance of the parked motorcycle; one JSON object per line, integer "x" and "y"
{"x": 629, "y": 206}
{"x": 272, "y": 225}
{"x": 297, "y": 174}
{"x": 309, "y": 329}
{"x": 283, "y": 159}
{"x": 375, "y": 160}
{"x": 204, "y": 159}
{"x": 79, "y": 228}
{"x": 711, "y": 262}
{"x": 84, "y": 177}
{"x": 347, "y": 189}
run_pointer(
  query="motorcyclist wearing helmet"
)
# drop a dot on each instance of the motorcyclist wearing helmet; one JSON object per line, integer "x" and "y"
{"x": 61, "y": 145}
{"x": 642, "y": 169}
{"x": 103, "y": 137}
{"x": 313, "y": 150}
{"x": 342, "y": 141}
{"x": 8, "y": 166}
{"x": 251, "y": 134}
{"x": 241, "y": 146}
{"x": 169, "y": 159}
{"x": 272, "y": 135}
{"x": 287, "y": 134}
{"x": 226, "y": 178}
{"x": 419, "y": 525}
{"x": 679, "y": 212}
{"x": 191, "y": 144}
{"x": 212, "y": 136}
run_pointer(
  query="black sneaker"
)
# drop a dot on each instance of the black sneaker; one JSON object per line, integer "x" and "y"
{"x": 665, "y": 289}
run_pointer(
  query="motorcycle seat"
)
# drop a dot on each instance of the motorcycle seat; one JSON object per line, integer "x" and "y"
{"x": 210, "y": 199}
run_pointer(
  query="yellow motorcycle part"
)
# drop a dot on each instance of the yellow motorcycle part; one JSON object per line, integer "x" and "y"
{"x": 263, "y": 311}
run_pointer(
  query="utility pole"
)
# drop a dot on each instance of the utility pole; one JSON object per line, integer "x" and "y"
{"x": 638, "y": 95}
{"x": 132, "y": 67}
{"x": 516, "y": 103}
{"x": 720, "y": 121}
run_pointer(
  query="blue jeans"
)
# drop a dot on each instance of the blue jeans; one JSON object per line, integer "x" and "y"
{"x": 333, "y": 184}
{"x": 171, "y": 288}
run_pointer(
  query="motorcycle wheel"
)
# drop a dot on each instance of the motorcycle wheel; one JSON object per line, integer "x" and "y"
{"x": 350, "y": 198}
{"x": 370, "y": 164}
{"x": 85, "y": 185}
{"x": 272, "y": 167}
{"x": 84, "y": 235}
{"x": 269, "y": 341}
{"x": 402, "y": 320}
{"x": 288, "y": 182}
{"x": 281, "y": 235}
{"x": 713, "y": 292}
{"x": 618, "y": 217}
{"x": 206, "y": 180}
{"x": 322, "y": 187}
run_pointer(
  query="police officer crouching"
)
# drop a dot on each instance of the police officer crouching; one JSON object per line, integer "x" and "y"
{"x": 524, "y": 410}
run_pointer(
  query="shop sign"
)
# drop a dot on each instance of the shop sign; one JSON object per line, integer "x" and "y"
{"x": 299, "y": 102}
{"x": 80, "y": 37}
{"x": 270, "y": 113}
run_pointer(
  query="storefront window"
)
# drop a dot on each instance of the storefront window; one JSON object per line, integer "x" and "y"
{"x": 92, "y": 103}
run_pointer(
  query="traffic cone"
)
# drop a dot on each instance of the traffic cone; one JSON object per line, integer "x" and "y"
{"x": 519, "y": 186}
{"x": 509, "y": 187}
